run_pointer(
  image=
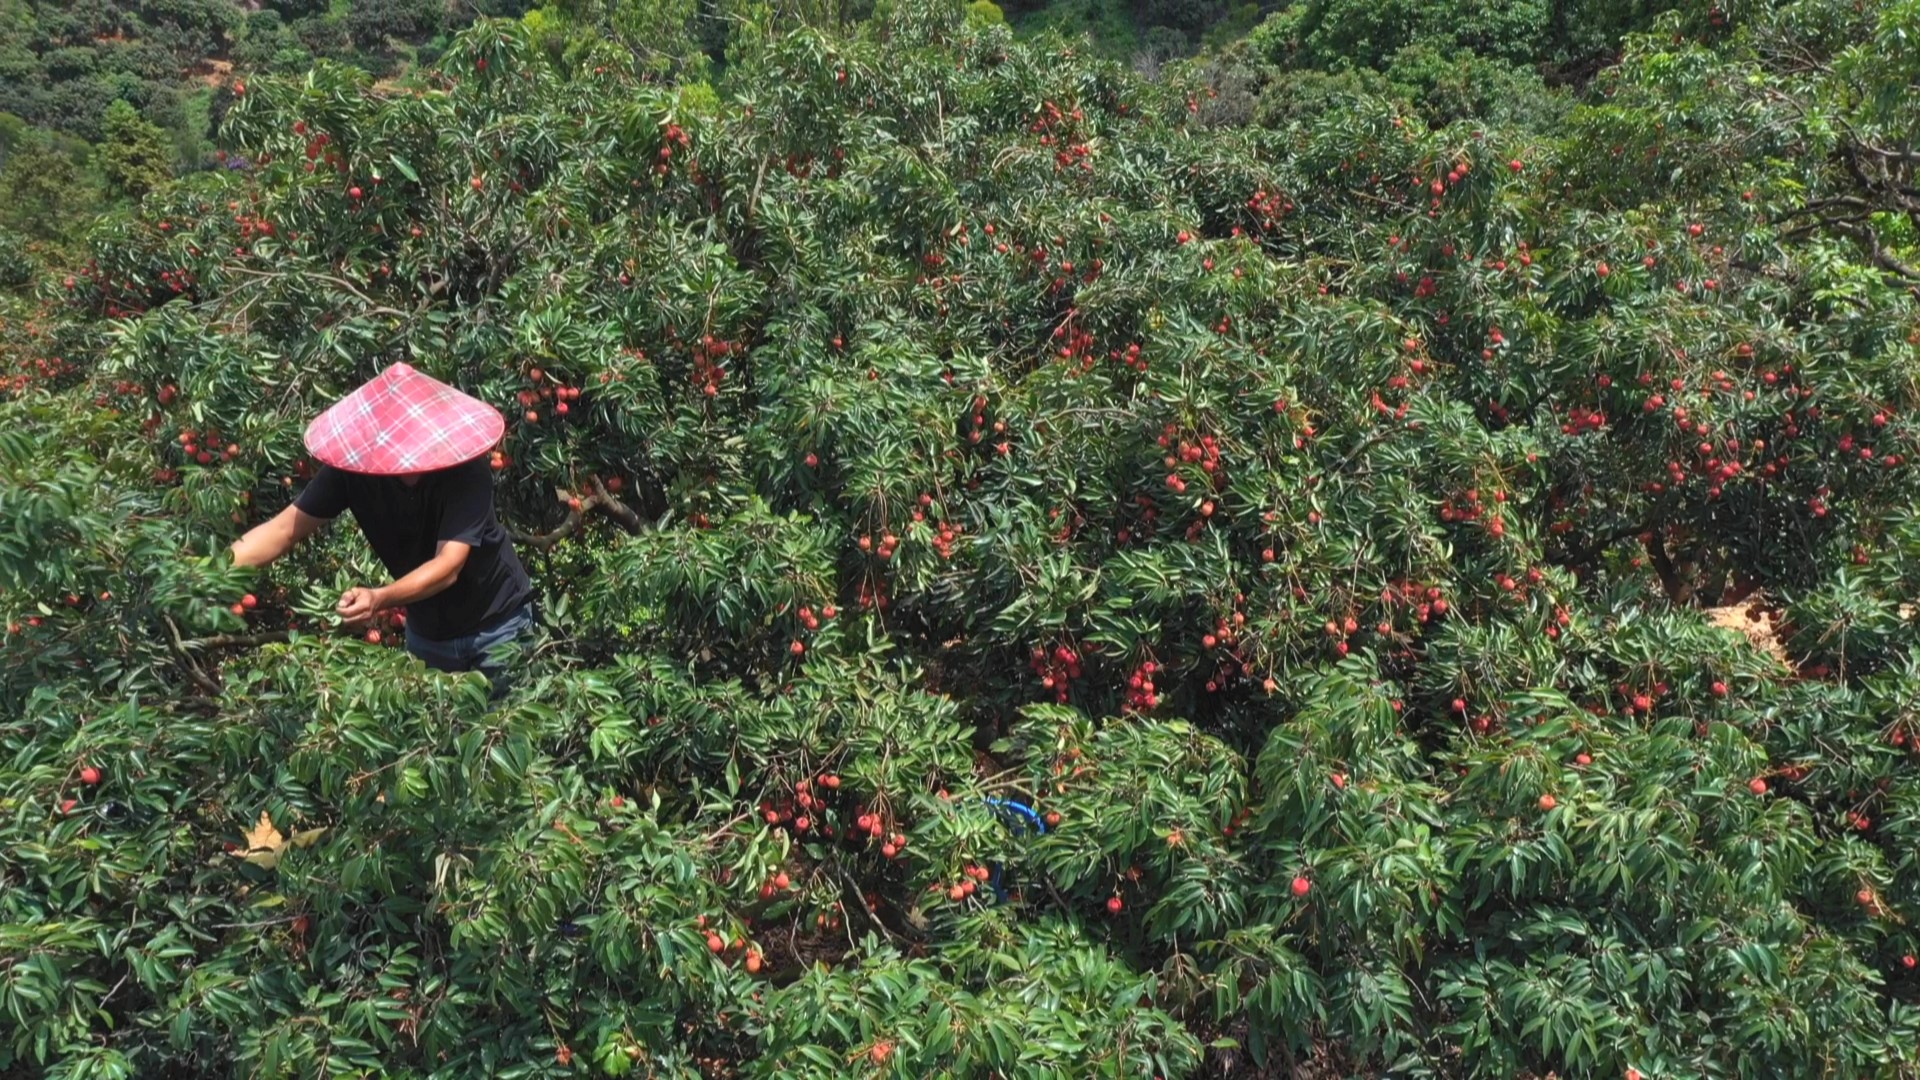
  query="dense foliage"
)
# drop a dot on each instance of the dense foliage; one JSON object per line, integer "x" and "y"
{"x": 1444, "y": 591}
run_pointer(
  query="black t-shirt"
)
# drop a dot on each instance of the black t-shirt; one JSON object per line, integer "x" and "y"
{"x": 404, "y": 524}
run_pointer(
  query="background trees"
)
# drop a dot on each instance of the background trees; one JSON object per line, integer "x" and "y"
{"x": 46, "y": 191}
{"x": 133, "y": 152}
{"x": 1443, "y": 589}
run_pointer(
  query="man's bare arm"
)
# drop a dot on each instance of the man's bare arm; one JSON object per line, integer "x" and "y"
{"x": 275, "y": 536}
{"x": 358, "y": 605}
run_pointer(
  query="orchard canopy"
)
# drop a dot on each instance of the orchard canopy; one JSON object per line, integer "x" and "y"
{"x": 1038, "y": 578}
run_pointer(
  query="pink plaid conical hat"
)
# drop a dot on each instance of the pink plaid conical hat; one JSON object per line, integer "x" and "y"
{"x": 401, "y": 421}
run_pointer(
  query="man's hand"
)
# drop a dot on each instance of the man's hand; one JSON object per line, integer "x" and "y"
{"x": 357, "y": 605}
{"x": 430, "y": 578}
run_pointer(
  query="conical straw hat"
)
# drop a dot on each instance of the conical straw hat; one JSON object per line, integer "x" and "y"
{"x": 401, "y": 421}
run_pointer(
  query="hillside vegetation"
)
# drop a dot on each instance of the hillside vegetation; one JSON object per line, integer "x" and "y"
{"x": 1438, "y": 568}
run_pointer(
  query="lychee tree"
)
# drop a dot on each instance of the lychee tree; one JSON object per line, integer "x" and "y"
{"x": 1033, "y": 584}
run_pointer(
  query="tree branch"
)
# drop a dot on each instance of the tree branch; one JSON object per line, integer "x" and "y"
{"x": 1677, "y": 590}
{"x": 1372, "y": 441}
{"x": 545, "y": 540}
{"x": 1821, "y": 206}
{"x": 200, "y": 678}
{"x": 616, "y": 509}
{"x": 374, "y": 307}
{"x": 596, "y": 497}
{"x": 1879, "y": 256}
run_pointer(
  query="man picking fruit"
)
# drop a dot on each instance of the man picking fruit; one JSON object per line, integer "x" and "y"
{"x": 406, "y": 453}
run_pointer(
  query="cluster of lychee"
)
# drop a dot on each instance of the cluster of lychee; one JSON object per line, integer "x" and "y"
{"x": 811, "y": 622}
{"x": 1130, "y": 357}
{"x": 1472, "y": 509}
{"x": 544, "y": 389}
{"x": 949, "y": 532}
{"x": 720, "y": 946}
{"x": 973, "y": 876}
{"x": 1056, "y": 668}
{"x": 808, "y": 811}
{"x": 707, "y": 372}
{"x": 674, "y": 135}
{"x": 1073, "y": 341}
{"x": 1142, "y": 695}
{"x": 203, "y": 446}
{"x": 1270, "y": 207}
{"x": 1204, "y": 453}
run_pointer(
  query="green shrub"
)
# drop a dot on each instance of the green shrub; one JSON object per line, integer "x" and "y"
{"x": 133, "y": 154}
{"x": 1188, "y": 15}
{"x": 984, "y": 13}
{"x": 1465, "y": 85}
{"x": 371, "y": 24}
{"x": 18, "y": 267}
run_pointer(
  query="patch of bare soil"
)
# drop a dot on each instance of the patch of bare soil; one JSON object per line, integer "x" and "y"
{"x": 214, "y": 73}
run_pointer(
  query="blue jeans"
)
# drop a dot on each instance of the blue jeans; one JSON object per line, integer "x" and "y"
{"x": 488, "y": 651}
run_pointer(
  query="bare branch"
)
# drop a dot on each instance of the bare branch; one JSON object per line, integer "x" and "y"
{"x": 1880, "y": 257}
{"x": 611, "y": 503}
{"x": 374, "y": 307}
{"x": 596, "y": 498}
{"x": 199, "y": 677}
{"x": 545, "y": 540}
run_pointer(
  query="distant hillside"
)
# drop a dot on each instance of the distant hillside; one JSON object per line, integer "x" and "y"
{"x": 63, "y": 62}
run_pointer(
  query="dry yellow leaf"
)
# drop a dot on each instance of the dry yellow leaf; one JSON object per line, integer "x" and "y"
{"x": 265, "y": 844}
{"x": 1751, "y": 622}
